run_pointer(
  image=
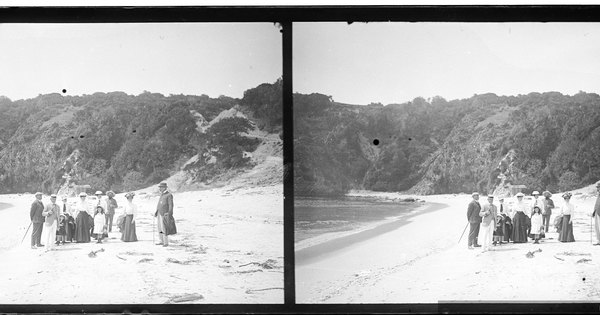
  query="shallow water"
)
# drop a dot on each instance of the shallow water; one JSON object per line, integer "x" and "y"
{"x": 316, "y": 216}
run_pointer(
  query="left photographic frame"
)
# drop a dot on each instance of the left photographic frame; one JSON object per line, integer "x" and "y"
{"x": 175, "y": 130}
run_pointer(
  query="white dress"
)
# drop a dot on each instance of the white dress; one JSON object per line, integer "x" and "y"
{"x": 536, "y": 223}
{"x": 99, "y": 221}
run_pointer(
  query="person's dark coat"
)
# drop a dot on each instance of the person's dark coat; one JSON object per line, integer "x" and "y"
{"x": 473, "y": 212}
{"x": 37, "y": 207}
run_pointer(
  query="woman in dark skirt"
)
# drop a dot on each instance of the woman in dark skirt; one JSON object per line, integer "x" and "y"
{"x": 519, "y": 232}
{"x": 83, "y": 222}
{"x": 567, "y": 211}
{"x": 129, "y": 224}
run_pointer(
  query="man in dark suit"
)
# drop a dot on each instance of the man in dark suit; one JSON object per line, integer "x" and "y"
{"x": 37, "y": 221}
{"x": 164, "y": 211}
{"x": 474, "y": 220}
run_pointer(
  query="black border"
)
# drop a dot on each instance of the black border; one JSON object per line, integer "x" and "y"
{"x": 411, "y": 13}
{"x": 286, "y": 15}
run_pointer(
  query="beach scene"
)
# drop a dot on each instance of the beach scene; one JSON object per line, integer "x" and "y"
{"x": 141, "y": 163}
{"x": 446, "y": 163}
{"x": 422, "y": 261}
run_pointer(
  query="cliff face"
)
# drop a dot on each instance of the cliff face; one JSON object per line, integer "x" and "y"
{"x": 484, "y": 143}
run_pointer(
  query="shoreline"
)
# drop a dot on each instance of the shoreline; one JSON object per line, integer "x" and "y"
{"x": 327, "y": 248}
{"x": 4, "y": 205}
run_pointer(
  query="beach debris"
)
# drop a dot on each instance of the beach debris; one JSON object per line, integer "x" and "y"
{"x": 136, "y": 254}
{"x": 120, "y": 257}
{"x": 583, "y": 260}
{"x": 93, "y": 253}
{"x": 176, "y": 277}
{"x": 250, "y": 291}
{"x": 559, "y": 258}
{"x": 574, "y": 254}
{"x": 249, "y": 271}
{"x": 530, "y": 254}
{"x": 268, "y": 264}
{"x": 145, "y": 260}
{"x": 188, "y": 297}
{"x": 187, "y": 262}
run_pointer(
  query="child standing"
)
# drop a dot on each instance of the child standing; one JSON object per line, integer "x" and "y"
{"x": 536, "y": 224}
{"x": 99, "y": 223}
{"x": 61, "y": 231}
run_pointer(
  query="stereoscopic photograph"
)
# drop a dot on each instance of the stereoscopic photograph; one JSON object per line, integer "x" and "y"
{"x": 446, "y": 162}
{"x": 141, "y": 163}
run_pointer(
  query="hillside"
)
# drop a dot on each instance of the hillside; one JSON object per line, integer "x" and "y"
{"x": 484, "y": 143}
{"x": 123, "y": 142}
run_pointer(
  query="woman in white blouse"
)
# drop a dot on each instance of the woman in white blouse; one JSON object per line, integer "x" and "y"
{"x": 130, "y": 210}
{"x": 567, "y": 211}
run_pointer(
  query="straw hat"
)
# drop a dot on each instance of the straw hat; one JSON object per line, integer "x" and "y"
{"x": 129, "y": 194}
{"x": 519, "y": 195}
{"x": 110, "y": 193}
{"x": 567, "y": 195}
{"x": 82, "y": 194}
{"x": 535, "y": 192}
{"x": 98, "y": 193}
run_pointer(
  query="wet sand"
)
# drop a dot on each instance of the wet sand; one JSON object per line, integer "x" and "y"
{"x": 330, "y": 248}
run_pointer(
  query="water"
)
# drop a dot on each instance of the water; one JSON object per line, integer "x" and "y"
{"x": 316, "y": 216}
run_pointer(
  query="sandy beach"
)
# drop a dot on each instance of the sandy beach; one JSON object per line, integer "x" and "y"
{"x": 229, "y": 249}
{"x": 421, "y": 261}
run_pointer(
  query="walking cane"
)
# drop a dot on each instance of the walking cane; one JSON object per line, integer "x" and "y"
{"x": 153, "y": 222}
{"x": 463, "y": 233}
{"x": 26, "y": 232}
{"x": 591, "y": 228}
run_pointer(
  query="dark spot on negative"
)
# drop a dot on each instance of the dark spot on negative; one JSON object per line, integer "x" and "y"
{"x": 81, "y": 137}
{"x": 376, "y": 142}
{"x": 64, "y": 90}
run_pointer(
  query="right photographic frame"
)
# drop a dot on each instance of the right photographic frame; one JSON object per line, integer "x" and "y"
{"x": 446, "y": 162}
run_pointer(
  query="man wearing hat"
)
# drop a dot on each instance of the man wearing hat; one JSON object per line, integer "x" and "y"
{"x": 596, "y": 215}
{"x": 51, "y": 212}
{"x": 474, "y": 220}
{"x": 37, "y": 221}
{"x": 488, "y": 223}
{"x": 547, "y": 210}
{"x": 111, "y": 205}
{"x": 164, "y": 211}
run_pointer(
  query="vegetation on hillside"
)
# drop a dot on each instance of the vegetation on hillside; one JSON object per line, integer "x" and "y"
{"x": 544, "y": 141}
{"x": 119, "y": 141}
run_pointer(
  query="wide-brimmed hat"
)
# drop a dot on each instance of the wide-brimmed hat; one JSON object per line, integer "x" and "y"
{"x": 98, "y": 192}
{"x": 547, "y": 194}
{"x": 567, "y": 195}
{"x": 129, "y": 194}
{"x": 490, "y": 196}
{"x": 110, "y": 193}
{"x": 53, "y": 196}
{"x": 535, "y": 192}
{"x": 163, "y": 184}
{"x": 519, "y": 195}
{"x": 38, "y": 193}
{"x": 82, "y": 194}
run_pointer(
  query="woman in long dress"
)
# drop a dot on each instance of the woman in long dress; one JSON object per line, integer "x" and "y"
{"x": 130, "y": 215}
{"x": 519, "y": 232}
{"x": 82, "y": 221}
{"x": 567, "y": 211}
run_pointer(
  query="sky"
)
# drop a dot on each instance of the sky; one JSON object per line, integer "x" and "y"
{"x": 395, "y": 62}
{"x": 169, "y": 58}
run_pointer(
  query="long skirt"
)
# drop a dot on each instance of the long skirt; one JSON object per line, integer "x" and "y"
{"x": 129, "y": 230}
{"x": 519, "y": 232}
{"x": 566, "y": 231}
{"x": 83, "y": 227}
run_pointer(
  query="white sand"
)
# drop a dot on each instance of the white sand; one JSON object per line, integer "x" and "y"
{"x": 223, "y": 236}
{"x": 421, "y": 262}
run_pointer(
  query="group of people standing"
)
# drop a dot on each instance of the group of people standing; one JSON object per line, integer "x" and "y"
{"x": 496, "y": 224}
{"x": 86, "y": 220}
